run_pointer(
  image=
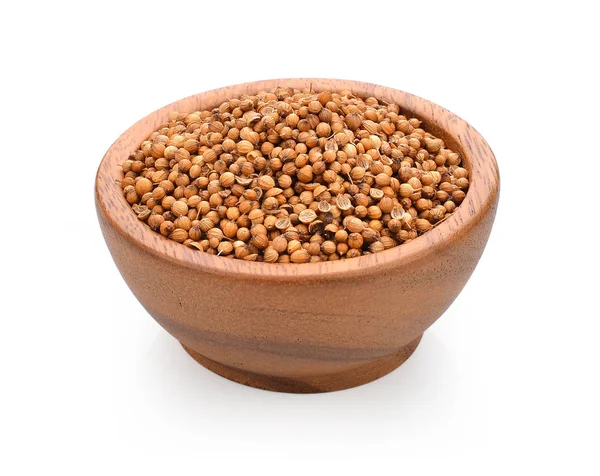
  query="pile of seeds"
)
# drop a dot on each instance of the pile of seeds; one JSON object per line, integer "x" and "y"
{"x": 294, "y": 176}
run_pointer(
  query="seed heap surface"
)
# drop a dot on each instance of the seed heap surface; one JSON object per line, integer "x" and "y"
{"x": 294, "y": 176}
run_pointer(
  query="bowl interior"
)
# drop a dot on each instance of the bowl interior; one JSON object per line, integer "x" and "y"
{"x": 457, "y": 134}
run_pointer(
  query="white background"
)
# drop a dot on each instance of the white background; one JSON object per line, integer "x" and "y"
{"x": 506, "y": 382}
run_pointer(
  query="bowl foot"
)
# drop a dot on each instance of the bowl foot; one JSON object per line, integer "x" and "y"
{"x": 315, "y": 384}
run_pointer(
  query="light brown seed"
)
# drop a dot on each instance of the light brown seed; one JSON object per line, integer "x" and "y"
{"x": 280, "y": 244}
{"x": 355, "y": 240}
{"x": 353, "y": 121}
{"x": 299, "y": 256}
{"x": 354, "y": 225}
{"x": 291, "y": 169}
{"x": 179, "y": 208}
{"x": 142, "y": 186}
{"x": 305, "y": 174}
{"x": 196, "y": 246}
{"x": 328, "y": 247}
{"x": 324, "y": 206}
{"x": 422, "y": 225}
{"x": 376, "y": 193}
{"x": 227, "y": 179}
{"x": 406, "y": 190}
{"x": 376, "y": 247}
{"x": 293, "y": 245}
{"x": 179, "y": 235}
{"x": 225, "y": 248}
{"x": 283, "y": 223}
{"x": 256, "y": 216}
{"x": 343, "y": 202}
{"x": 270, "y": 255}
{"x": 244, "y": 147}
{"x": 265, "y": 182}
{"x": 307, "y": 216}
{"x": 397, "y": 212}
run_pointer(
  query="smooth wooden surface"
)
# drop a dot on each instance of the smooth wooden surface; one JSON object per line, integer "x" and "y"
{"x": 307, "y": 322}
{"x": 314, "y": 383}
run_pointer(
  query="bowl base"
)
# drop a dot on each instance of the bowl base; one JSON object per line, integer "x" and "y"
{"x": 315, "y": 384}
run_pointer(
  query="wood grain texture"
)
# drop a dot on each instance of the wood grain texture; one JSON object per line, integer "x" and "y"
{"x": 302, "y": 327}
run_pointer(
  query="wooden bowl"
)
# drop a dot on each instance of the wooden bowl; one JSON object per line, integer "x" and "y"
{"x": 312, "y": 327}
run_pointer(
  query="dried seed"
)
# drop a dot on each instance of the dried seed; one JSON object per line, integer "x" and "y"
{"x": 179, "y": 208}
{"x": 265, "y": 182}
{"x": 288, "y": 176}
{"x": 324, "y": 206}
{"x": 195, "y": 245}
{"x": 270, "y": 255}
{"x": 299, "y": 256}
{"x": 354, "y": 225}
{"x": 319, "y": 189}
{"x": 343, "y": 202}
{"x": 283, "y": 223}
{"x": 243, "y": 180}
{"x": 397, "y": 212}
{"x": 376, "y": 194}
{"x": 316, "y": 227}
{"x": 306, "y": 216}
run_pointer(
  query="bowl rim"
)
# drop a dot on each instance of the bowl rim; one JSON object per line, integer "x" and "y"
{"x": 476, "y": 153}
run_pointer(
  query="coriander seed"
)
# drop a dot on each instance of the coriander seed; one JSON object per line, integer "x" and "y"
{"x": 291, "y": 176}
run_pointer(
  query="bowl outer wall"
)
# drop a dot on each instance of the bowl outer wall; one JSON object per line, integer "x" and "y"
{"x": 309, "y": 319}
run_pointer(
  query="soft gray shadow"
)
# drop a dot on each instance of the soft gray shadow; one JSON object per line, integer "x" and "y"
{"x": 181, "y": 389}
